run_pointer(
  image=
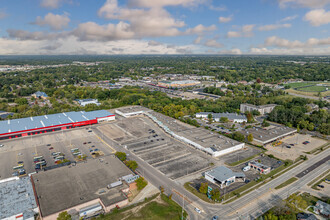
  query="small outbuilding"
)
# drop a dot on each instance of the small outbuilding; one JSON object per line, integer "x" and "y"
{"x": 223, "y": 176}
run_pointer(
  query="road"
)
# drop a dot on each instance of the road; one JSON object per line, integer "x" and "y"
{"x": 248, "y": 206}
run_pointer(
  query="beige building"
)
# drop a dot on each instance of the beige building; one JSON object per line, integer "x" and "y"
{"x": 263, "y": 109}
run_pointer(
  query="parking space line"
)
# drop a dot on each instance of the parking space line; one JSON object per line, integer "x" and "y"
{"x": 113, "y": 150}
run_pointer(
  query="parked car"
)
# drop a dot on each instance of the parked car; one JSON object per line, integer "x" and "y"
{"x": 51, "y": 148}
{"x": 215, "y": 217}
{"x": 321, "y": 186}
{"x": 288, "y": 146}
{"x": 1, "y": 145}
{"x": 85, "y": 143}
{"x": 292, "y": 145}
{"x": 15, "y": 173}
{"x": 20, "y": 163}
{"x": 90, "y": 131}
{"x": 48, "y": 145}
{"x": 89, "y": 142}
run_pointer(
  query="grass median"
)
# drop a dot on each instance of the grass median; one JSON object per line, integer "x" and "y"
{"x": 286, "y": 183}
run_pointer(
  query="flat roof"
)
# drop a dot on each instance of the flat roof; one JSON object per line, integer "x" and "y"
{"x": 230, "y": 116}
{"x": 134, "y": 108}
{"x": 260, "y": 106}
{"x": 223, "y": 173}
{"x": 22, "y": 124}
{"x": 209, "y": 139}
{"x": 65, "y": 187}
{"x": 16, "y": 196}
{"x": 266, "y": 135}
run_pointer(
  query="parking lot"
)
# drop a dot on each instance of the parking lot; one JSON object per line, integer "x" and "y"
{"x": 144, "y": 138}
{"x": 298, "y": 148}
{"x": 241, "y": 154}
{"x": 25, "y": 149}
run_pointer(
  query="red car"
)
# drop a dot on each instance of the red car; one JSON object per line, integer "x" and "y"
{"x": 51, "y": 148}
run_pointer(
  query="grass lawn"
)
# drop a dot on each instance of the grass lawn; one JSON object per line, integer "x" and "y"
{"x": 311, "y": 200}
{"x": 288, "y": 182}
{"x": 197, "y": 193}
{"x": 301, "y": 84}
{"x": 153, "y": 210}
{"x": 313, "y": 89}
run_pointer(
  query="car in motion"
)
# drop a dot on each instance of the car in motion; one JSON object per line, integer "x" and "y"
{"x": 198, "y": 210}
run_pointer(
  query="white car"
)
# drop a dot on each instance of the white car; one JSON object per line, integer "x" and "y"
{"x": 1, "y": 145}
{"x": 198, "y": 210}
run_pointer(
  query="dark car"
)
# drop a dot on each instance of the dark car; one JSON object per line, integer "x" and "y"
{"x": 89, "y": 142}
{"x": 15, "y": 173}
{"x": 215, "y": 217}
{"x": 288, "y": 146}
{"x": 85, "y": 143}
{"x": 321, "y": 186}
{"x": 90, "y": 131}
{"x": 292, "y": 145}
{"x": 48, "y": 145}
{"x": 51, "y": 148}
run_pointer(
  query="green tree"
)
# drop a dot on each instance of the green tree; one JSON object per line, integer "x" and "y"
{"x": 210, "y": 118}
{"x": 265, "y": 123}
{"x": 203, "y": 188}
{"x": 141, "y": 183}
{"x": 250, "y": 138}
{"x": 215, "y": 194}
{"x": 64, "y": 216}
{"x": 132, "y": 164}
{"x": 121, "y": 155}
{"x": 224, "y": 119}
{"x": 238, "y": 136}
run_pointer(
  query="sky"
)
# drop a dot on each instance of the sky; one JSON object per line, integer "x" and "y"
{"x": 262, "y": 27}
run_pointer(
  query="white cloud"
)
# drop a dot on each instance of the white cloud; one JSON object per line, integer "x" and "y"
{"x": 72, "y": 45}
{"x": 234, "y": 51}
{"x": 153, "y": 22}
{"x": 36, "y": 36}
{"x": 284, "y": 43}
{"x": 55, "y": 22}
{"x": 198, "y": 40}
{"x": 289, "y": 18}
{"x": 163, "y": 3}
{"x": 200, "y": 29}
{"x": 213, "y": 43}
{"x": 225, "y": 19}
{"x": 231, "y": 34}
{"x": 245, "y": 31}
{"x": 218, "y": 8}
{"x": 90, "y": 31}
{"x": 270, "y": 27}
{"x": 51, "y": 4}
{"x": 154, "y": 43}
{"x": 290, "y": 51}
{"x": 303, "y": 3}
{"x": 318, "y": 17}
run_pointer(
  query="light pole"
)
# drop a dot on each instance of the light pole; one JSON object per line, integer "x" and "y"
{"x": 182, "y": 206}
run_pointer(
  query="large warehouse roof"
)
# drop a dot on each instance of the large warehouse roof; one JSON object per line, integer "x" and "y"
{"x": 79, "y": 184}
{"x": 21, "y": 124}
